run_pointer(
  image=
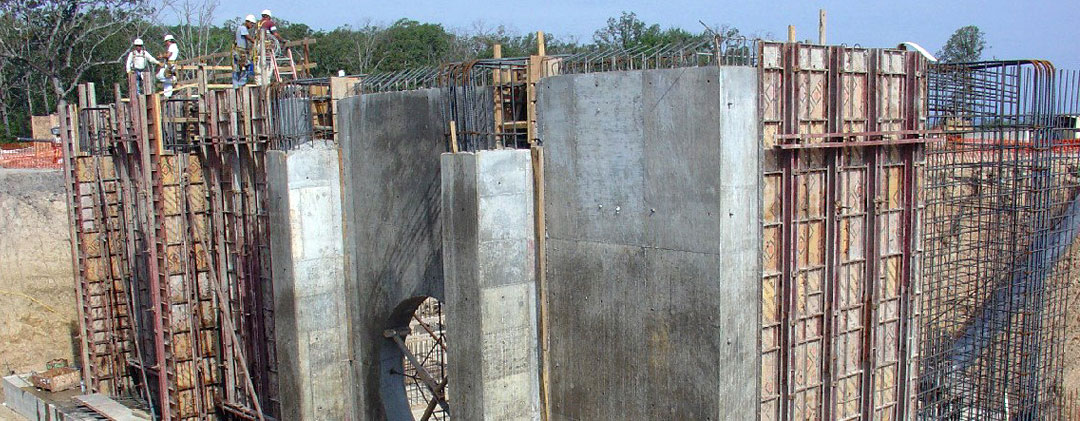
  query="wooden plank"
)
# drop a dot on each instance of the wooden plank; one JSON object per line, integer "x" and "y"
{"x": 108, "y": 408}
{"x": 202, "y": 66}
{"x": 340, "y": 87}
{"x": 537, "y": 155}
{"x": 453, "y": 137}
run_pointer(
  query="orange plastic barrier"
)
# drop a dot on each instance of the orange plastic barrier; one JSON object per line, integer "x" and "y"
{"x": 31, "y": 155}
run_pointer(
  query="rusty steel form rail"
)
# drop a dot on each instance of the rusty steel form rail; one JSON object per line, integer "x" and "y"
{"x": 843, "y": 138}
{"x": 1003, "y": 210}
{"x": 170, "y": 231}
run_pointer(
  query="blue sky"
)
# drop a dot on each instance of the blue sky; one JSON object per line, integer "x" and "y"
{"x": 1015, "y": 29}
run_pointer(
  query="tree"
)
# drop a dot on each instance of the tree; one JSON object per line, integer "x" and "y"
{"x": 61, "y": 40}
{"x": 411, "y": 44}
{"x": 196, "y": 33}
{"x": 965, "y": 45}
{"x": 625, "y": 31}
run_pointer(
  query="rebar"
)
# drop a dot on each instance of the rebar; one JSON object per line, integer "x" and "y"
{"x": 1002, "y": 211}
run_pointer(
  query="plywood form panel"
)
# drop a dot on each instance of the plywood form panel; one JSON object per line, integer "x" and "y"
{"x": 833, "y": 308}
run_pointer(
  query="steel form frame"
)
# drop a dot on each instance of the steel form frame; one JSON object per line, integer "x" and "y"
{"x": 187, "y": 239}
{"x": 839, "y": 123}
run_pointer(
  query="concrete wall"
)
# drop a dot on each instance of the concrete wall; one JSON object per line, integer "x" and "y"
{"x": 391, "y": 144}
{"x": 653, "y": 224}
{"x": 490, "y": 264}
{"x": 309, "y": 283}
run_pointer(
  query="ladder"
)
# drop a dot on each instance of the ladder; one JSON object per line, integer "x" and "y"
{"x": 284, "y": 65}
{"x": 279, "y": 60}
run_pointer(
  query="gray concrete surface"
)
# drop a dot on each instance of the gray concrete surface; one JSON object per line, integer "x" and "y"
{"x": 490, "y": 265}
{"x": 653, "y": 223}
{"x": 308, "y": 264}
{"x": 391, "y": 144}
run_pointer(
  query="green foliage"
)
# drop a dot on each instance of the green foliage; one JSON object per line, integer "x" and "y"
{"x": 411, "y": 44}
{"x": 627, "y": 31}
{"x": 965, "y": 45}
{"x": 34, "y": 78}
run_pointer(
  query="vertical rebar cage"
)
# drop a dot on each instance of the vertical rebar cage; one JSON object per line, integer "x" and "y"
{"x": 300, "y": 113}
{"x": 1002, "y": 211}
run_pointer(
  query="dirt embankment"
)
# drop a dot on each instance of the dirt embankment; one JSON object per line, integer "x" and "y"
{"x": 37, "y": 291}
{"x": 1072, "y": 335}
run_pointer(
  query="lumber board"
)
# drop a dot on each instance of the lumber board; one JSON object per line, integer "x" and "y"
{"x": 108, "y": 408}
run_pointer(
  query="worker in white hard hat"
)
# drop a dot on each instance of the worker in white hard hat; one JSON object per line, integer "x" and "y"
{"x": 242, "y": 66}
{"x": 136, "y": 62}
{"x": 167, "y": 73}
{"x": 267, "y": 24}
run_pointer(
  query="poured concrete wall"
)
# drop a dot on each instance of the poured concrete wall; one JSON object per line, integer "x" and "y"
{"x": 490, "y": 264}
{"x": 391, "y": 144}
{"x": 308, "y": 262}
{"x": 653, "y": 236}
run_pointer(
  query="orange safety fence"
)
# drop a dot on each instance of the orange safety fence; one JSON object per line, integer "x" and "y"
{"x": 46, "y": 155}
{"x": 1054, "y": 145}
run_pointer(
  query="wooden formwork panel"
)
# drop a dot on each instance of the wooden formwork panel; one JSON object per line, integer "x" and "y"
{"x": 184, "y": 236}
{"x": 838, "y": 227}
{"x": 101, "y": 252}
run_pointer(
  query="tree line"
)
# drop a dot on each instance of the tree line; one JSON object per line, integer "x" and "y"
{"x": 48, "y": 47}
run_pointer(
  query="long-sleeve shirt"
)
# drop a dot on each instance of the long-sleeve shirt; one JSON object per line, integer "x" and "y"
{"x": 137, "y": 60}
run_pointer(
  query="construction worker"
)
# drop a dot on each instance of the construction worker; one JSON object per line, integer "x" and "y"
{"x": 167, "y": 73}
{"x": 267, "y": 24}
{"x": 242, "y": 66}
{"x": 136, "y": 62}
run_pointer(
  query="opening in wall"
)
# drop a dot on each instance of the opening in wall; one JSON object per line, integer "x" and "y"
{"x": 413, "y": 362}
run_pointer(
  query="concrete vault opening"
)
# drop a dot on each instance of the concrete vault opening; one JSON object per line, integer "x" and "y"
{"x": 412, "y": 361}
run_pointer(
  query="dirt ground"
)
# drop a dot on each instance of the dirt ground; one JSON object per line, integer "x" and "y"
{"x": 1072, "y": 338}
{"x": 37, "y": 294}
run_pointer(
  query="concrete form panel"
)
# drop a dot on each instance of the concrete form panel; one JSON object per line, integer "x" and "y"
{"x": 838, "y": 231}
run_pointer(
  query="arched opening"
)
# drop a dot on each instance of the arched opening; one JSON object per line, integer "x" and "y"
{"x": 413, "y": 362}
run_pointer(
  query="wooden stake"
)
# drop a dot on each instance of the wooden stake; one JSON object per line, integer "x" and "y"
{"x": 537, "y": 155}
{"x": 498, "y": 79}
{"x": 91, "y": 94}
{"x": 541, "y": 48}
{"x": 821, "y": 26}
{"x": 453, "y": 137}
{"x": 791, "y": 33}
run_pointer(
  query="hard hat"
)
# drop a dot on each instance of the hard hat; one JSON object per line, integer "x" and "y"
{"x": 138, "y": 41}
{"x": 251, "y": 18}
{"x": 266, "y": 12}
{"x": 169, "y": 38}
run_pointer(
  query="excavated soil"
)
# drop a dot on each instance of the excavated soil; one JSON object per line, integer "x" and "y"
{"x": 1072, "y": 338}
{"x": 37, "y": 293}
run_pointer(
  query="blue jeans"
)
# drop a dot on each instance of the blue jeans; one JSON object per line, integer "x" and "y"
{"x": 240, "y": 77}
{"x": 139, "y": 82}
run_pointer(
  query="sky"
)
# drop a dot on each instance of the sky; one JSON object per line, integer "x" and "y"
{"x": 1014, "y": 29}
